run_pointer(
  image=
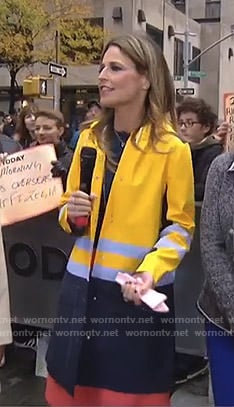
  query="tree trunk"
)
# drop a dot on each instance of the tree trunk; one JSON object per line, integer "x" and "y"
{"x": 12, "y": 92}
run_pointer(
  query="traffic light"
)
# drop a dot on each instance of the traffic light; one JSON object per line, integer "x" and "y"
{"x": 27, "y": 87}
{"x": 35, "y": 86}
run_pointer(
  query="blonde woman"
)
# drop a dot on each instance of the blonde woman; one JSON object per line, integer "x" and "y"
{"x": 107, "y": 348}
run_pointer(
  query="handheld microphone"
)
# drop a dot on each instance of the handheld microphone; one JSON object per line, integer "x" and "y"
{"x": 87, "y": 163}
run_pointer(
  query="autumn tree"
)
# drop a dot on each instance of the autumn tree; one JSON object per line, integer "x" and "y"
{"x": 27, "y": 33}
{"x": 81, "y": 41}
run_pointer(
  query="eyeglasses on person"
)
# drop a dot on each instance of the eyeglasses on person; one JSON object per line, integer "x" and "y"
{"x": 188, "y": 124}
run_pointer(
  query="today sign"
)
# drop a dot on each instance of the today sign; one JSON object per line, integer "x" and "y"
{"x": 27, "y": 188}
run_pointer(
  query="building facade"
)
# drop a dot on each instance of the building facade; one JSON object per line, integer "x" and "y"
{"x": 216, "y": 19}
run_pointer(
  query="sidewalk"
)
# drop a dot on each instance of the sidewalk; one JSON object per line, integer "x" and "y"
{"x": 192, "y": 394}
{"x": 20, "y": 386}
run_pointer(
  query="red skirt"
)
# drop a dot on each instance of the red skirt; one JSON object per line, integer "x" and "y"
{"x": 91, "y": 396}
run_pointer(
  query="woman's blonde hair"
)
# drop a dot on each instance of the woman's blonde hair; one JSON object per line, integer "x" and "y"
{"x": 160, "y": 100}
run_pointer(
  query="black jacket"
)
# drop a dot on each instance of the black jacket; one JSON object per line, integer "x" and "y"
{"x": 9, "y": 129}
{"x": 202, "y": 157}
{"x": 64, "y": 154}
{"x": 8, "y": 145}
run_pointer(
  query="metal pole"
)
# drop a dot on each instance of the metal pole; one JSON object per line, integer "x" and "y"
{"x": 211, "y": 46}
{"x": 186, "y": 45}
{"x": 57, "y": 82}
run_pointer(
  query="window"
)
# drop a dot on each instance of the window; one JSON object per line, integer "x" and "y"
{"x": 195, "y": 66}
{"x": 178, "y": 57}
{"x": 179, "y": 4}
{"x": 213, "y": 8}
{"x": 155, "y": 34}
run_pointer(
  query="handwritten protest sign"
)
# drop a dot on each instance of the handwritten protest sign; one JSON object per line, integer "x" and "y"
{"x": 229, "y": 117}
{"x": 27, "y": 188}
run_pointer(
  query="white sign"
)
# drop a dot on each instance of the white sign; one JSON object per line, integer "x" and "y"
{"x": 185, "y": 91}
{"x": 57, "y": 69}
{"x": 27, "y": 188}
{"x": 229, "y": 117}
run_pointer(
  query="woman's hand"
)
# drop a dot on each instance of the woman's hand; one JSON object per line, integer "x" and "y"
{"x": 132, "y": 290}
{"x": 58, "y": 169}
{"x": 222, "y": 132}
{"x": 79, "y": 204}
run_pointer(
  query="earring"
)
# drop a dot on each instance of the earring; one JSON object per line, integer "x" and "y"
{"x": 146, "y": 86}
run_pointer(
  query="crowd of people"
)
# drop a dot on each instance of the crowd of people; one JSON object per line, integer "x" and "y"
{"x": 154, "y": 160}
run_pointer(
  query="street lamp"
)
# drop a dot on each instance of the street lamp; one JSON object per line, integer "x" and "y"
{"x": 187, "y": 34}
{"x": 57, "y": 82}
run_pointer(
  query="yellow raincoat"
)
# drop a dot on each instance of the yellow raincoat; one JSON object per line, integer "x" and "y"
{"x": 131, "y": 237}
